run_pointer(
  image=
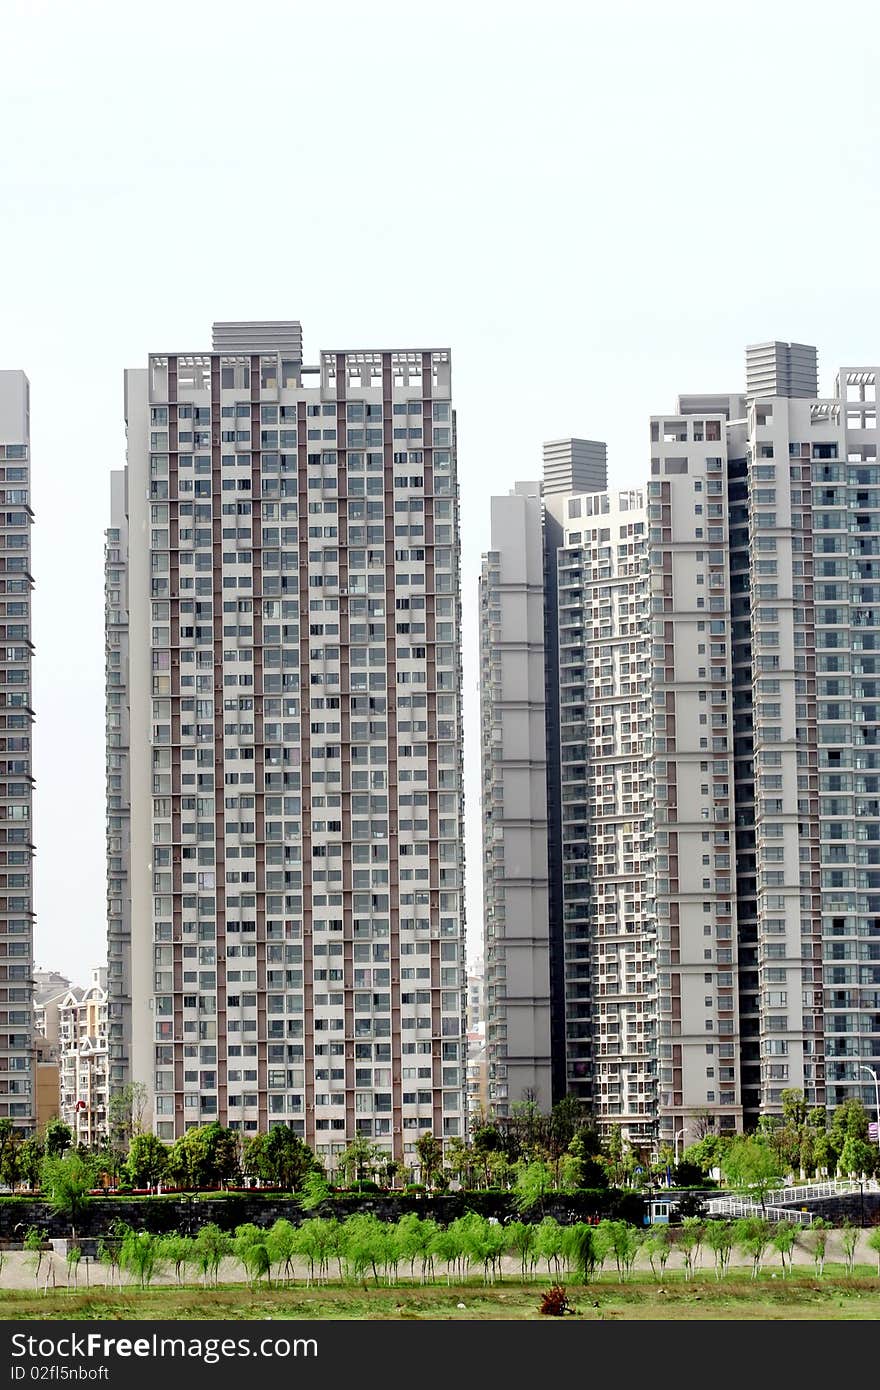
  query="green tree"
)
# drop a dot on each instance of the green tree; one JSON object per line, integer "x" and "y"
{"x": 707, "y": 1152}
{"x": 785, "y": 1238}
{"x": 210, "y": 1248}
{"x": 279, "y": 1157}
{"x": 752, "y": 1168}
{"x": 205, "y": 1156}
{"x": 874, "y": 1244}
{"x": 315, "y": 1190}
{"x": 849, "y": 1121}
{"x": 391, "y": 1170}
{"x": 825, "y": 1153}
{"x": 849, "y": 1239}
{"x": 579, "y": 1248}
{"x": 177, "y": 1166}
{"x": 615, "y": 1155}
{"x": 857, "y": 1156}
{"x": 141, "y": 1256}
{"x": 108, "y": 1162}
{"x": 549, "y": 1243}
{"x": 363, "y": 1245}
{"x": 9, "y": 1146}
{"x": 488, "y": 1140}
{"x": 252, "y": 1248}
{"x": 459, "y": 1159}
{"x": 310, "y": 1245}
{"x": 794, "y": 1107}
{"x": 785, "y": 1133}
{"x": 528, "y": 1127}
{"x": 566, "y": 1120}
{"x": 125, "y": 1113}
{"x": 444, "y": 1247}
{"x": 817, "y": 1236}
{"x": 688, "y": 1240}
{"x": 147, "y": 1160}
{"x": 410, "y": 1240}
{"x": 253, "y": 1156}
{"x": 807, "y": 1151}
{"x": 657, "y": 1245}
{"x": 74, "y": 1255}
{"x": 57, "y": 1138}
{"x": 533, "y": 1183}
{"x": 719, "y": 1237}
{"x": 625, "y": 1241}
{"x": 110, "y": 1247}
{"x": 358, "y": 1160}
{"x": 499, "y": 1168}
{"x": 425, "y": 1233}
{"x": 521, "y": 1240}
{"x": 66, "y": 1183}
{"x": 581, "y": 1169}
{"x": 281, "y": 1241}
{"x": 177, "y": 1250}
{"x": 34, "y": 1242}
{"x": 482, "y": 1242}
{"x": 430, "y": 1153}
{"x": 753, "y": 1235}
{"x": 30, "y": 1160}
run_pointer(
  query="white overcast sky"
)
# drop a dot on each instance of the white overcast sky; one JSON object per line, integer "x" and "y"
{"x": 595, "y": 206}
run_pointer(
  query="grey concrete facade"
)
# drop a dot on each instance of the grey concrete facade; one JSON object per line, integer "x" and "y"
{"x": 515, "y": 842}
{"x": 17, "y": 1055}
{"x": 118, "y": 786}
{"x": 781, "y": 369}
{"x": 713, "y": 760}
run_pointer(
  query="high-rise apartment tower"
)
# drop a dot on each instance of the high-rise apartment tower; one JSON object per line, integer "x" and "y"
{"x": 297, "y": 938}
{"x": 17, "y": 1059}
{"x": 714, "y": 829}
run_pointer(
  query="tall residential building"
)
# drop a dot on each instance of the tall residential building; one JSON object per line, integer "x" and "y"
{"x": 718, "y": 871}
{"x": 514, "y": 799}
{"x": 118, "y": 785}
{"x": 607, "y": 808}
{"x": 534, "y": 1021}
{"x": 293, "y": 678}
{"x": 814, "y": 485}
{"x": 50, "y": 988}
{"x": 83, "y": 1059}
{"x": 47, "y": 1085}
{"x": 476, "y": 993}
{"x": 17, "y": 1060}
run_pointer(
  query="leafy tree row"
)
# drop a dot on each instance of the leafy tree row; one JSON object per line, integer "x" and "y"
{"x": 363, "y": 1248}
{"x": 530, "y": 1154}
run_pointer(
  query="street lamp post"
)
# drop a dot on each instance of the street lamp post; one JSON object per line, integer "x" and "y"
{"x": 678, "y": 1135}
{"x": 862, "y": 1067}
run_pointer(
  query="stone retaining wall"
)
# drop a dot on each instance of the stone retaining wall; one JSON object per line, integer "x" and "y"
{"x": 186, "y": 1214}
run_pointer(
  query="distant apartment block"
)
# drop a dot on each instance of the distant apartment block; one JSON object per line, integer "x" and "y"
{"x": 476, "y": 993}
{"x": 118, "y": 785}
{"x": 50, "y": 988}
{"x": 477, "y": 1074}
{"x": 514, "y": 800}
{"x": 83, "y": 1059}
{"x": 712, "y": 760}
{"x": 287, "y": 936}
{"x": 17, "y": 1060}
{"x": 47, "y": 1088}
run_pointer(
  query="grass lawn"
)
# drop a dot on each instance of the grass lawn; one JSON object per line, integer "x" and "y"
{"x": 639, "y": 1299}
